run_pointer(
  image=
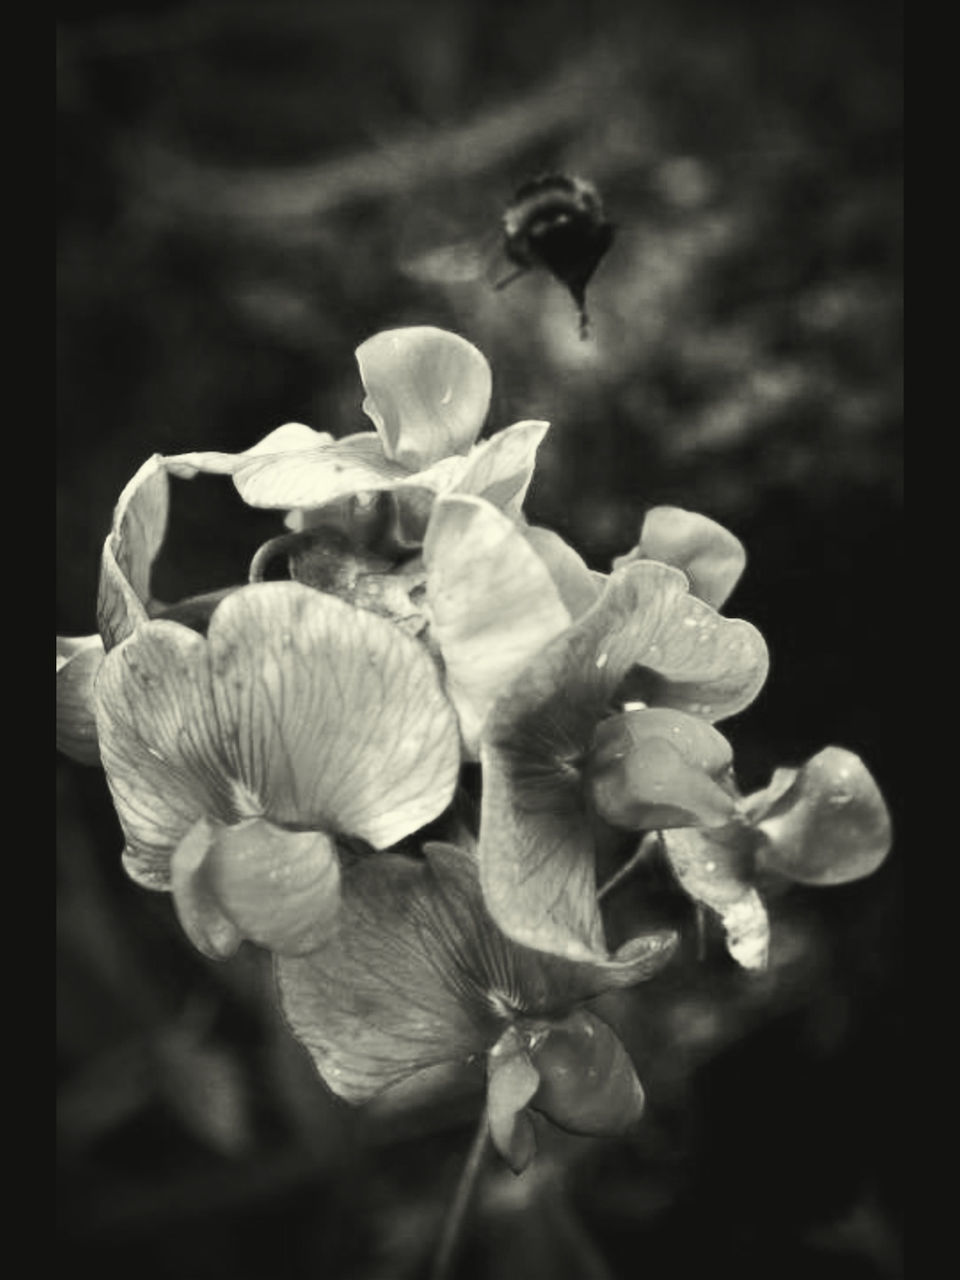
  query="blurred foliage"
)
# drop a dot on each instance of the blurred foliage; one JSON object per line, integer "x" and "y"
{"x": 247, "y": 191}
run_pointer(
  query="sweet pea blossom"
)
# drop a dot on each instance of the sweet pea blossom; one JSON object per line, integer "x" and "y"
{"x": 611, "y": 720}
{"x": 824, "y": 823}
{"x": 498, "y": 590}
{"x": 418, "y": 976}
{"x": 427, "y": 394}
{"x": 237, "y": 760}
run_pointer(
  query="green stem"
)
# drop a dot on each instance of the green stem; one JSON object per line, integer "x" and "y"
{"x": 453, "y": 1224}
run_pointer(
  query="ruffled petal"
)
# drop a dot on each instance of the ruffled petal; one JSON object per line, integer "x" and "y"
{"x": 716, "y": 870}
{"x": 134, "y": 541}
{"x": 657, "y": 768}
{"x": 829, "y": 823}
{"x": 536, "y": 841}
{"x": 278, "y": 888}
{"x": 588, "y": 1084}
{"x": 78, "y": 664}
{"x": 512, "y": 1080}
{"x": 500, "y": 469}
{"x": 579, "y": 587}
{"x": 330, "y": 715}
{"x": 711, "y": 556}
{"x": 492, "y": 601}
{"x": 428, "y": 392}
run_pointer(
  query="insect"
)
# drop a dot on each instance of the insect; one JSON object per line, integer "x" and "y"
{"x": 557, "y": 222}
{"x": 554, "y": 223}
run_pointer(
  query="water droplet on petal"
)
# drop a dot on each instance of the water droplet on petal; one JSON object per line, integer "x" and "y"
{"x": 602, "y": 661}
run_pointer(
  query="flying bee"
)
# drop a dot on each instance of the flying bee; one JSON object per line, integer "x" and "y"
{"x": 557, "y": 222}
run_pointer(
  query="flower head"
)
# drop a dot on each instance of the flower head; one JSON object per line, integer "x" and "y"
{"x": 418, "y": 976}
{"x": 427, "y": 394}
{"x": 825, "y": 823}
{"x": 235, "y": 760}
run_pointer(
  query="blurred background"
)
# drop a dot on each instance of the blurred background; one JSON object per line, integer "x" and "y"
{"x": 249, "y": 190}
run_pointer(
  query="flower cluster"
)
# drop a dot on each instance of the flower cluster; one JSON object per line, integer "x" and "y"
{"x": 276, "y": 750}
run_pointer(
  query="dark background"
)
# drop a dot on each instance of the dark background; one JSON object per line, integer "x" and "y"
{"x": 247, "y": 191}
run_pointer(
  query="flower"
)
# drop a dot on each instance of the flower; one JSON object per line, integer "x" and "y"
{"x": 825, "y": 823}
{"x": 427, "y": 394}
{"x": 612, "y": 719}
{"x": 418, "y": 976}
{"x": 237, "y": 760}
{"x": 498, "y": 590}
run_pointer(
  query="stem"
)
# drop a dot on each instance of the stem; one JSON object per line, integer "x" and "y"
{"x": 622, "y": 873}
{"x": 453, "y": 1224}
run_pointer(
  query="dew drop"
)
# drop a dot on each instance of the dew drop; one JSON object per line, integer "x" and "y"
{"x": 602, "y": 661}
{"x": 690, "y": 622}
{"x": 447, "y": 396}
{"x": 709, "y": 866}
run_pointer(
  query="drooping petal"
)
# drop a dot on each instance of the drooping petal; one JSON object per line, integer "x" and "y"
{"x": 78, "y": 664}
{"x": 829, "y": 825}
{"x": 657, "y": 768}
{"x": 588, "y": 1084}
{"x": 500, "y": 469}
{"x": 492, "y": 600}
{"x": 428, "y": 392}
{"x": 512, "y": 1080}
{"x": 716, "y": 869}
{"x": 711, "y": 556}
{"x": 134, "y": 541}
{"x": 329, "y": 714}
{"x": 393, "y": 992}
{"x": 536, "y": 840}
{"x": 278, "y": 888}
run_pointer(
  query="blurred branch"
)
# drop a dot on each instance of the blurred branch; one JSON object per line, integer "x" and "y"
{"x": 397, "y": 166}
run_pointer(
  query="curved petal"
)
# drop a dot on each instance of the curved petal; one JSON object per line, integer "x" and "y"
{"x": 579, "y": 587}
{"x": 134, "y": 541}
{"x": 536, "y": 842}
{"x": 292, "y": 437}
{"x": 717, "y": 871}
{"x": 428, "y": 392}
{"x": 253, "y": 880}
{"x": 500, "y": 469}
{"x": 330, "y": 715}
{"x": 78, "y": 664}
{"x": 316, "y": 476}
{"x": 159, "y": 742}
{"x": 492, "y": 600}
{"x": 711, "y": 556}
{"x": 656, "y": 768}
{"x": 830, "y": 825}
{"x": 588, "y": 1084}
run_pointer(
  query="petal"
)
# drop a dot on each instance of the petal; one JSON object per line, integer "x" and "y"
{"x": 316, "y": 476}
{"x": 500, "y": 469}
{"x": 512, "y": 1080}
{"x": 579, "y": 587}
{"x": 330, "y": 715}
{"x": 78, "y": 665}
{"x": 278, "y": 888}
{"x": 428, "y": 392}
{"x": 393, "y": 992}
{"x": 711, "y": 556}
{"x": 293, "y": 437}
{"x": 656, "y": 768}
{"x": 588, "y": 1083}
{"x": 492, "y": 601}
{"x": 159, "y": 742}
{"x": 139, "y": 525}
{"x": 536, "y": 841}
{"x": 717, "y": 872}
{"x": 830, "y": 825}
